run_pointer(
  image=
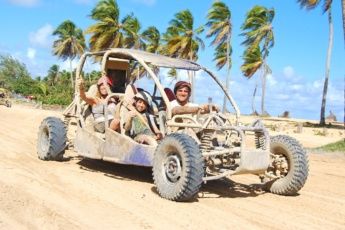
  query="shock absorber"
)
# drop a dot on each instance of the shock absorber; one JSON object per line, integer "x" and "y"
{"x": 66, "y": 121}
{"x": 206, "y": 140}
{"x": 260, "y": 140}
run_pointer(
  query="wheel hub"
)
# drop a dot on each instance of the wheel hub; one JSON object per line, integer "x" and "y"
{"x": 281, "y": 165}
{"x": 173, "y": 168}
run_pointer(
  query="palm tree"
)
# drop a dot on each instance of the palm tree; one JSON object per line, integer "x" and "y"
{"x": 253, "y": 62}
{"x": 181, "y": 39}
{"x": 53, "y": 74}
{"x": 220, "y": 56}
{"x": 258, "y": 24}
{"x": 219, "y": 21}
{"x": 327, "y": 7}
{"x": 133, "y": 38}
{"x": 167, "y": 37}
{"x": 152, "y": 37}
{"x": 184, "y": 40}
{"x": 173, "y": 75}
{"x": 108, "y": 31}
{"x": 69, "y": 44}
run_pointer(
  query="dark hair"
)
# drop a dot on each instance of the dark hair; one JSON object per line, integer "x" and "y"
{"x": 182, "y": 84}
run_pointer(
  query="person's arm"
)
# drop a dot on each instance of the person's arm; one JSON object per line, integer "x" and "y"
{"x": 89, "y": 100}
{"x": 184, "y": 110}
{"x": 193, "y": 109}
{"x": 112, "y": 108}
{"x": 206, "y": 109}
{"x": 128, "y": 124}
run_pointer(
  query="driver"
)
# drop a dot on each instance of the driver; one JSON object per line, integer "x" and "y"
{"x": 181, "y": 104}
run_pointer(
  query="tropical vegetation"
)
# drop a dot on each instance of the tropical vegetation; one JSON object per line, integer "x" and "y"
{"x": 338, "y": 146}
{"x": 69, "y": 44}
{"x": 220, "y": 28}
{"x": 258, "y": 32}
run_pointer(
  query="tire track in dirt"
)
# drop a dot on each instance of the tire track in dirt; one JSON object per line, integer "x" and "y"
{"x": 81, "y": 193}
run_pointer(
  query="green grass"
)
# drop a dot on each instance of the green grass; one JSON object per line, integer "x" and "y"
{"x": 338, "y": 146}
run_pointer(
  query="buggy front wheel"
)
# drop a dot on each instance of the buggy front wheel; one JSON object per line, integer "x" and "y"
{"x": 178, "y": 167}
{"x": 288, "y": 168}
{"x": 51, "y": 143}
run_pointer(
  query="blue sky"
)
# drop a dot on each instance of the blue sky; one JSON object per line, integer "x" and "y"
{"x": 298, "y": 59}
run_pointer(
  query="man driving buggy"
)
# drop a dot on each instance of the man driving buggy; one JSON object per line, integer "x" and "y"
{"x": 181, "y": 104}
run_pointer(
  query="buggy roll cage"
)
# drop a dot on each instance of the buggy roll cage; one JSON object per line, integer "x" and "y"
{"x": 145, "y": 59}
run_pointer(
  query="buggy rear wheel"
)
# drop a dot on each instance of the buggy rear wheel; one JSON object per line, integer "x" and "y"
{"x": 289, "y": 166}
{"x": 178, "y": 167}
{"x": 51, "y": 143}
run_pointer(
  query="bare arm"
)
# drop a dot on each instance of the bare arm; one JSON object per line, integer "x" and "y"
{"x": 193, "y": 109}
{"x": 128, "y": 124}
{"x": 89, "y": 100}
{"x": 184, "y": 110}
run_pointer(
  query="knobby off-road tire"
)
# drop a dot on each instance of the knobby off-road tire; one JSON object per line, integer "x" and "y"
{"x": 178, "y": 167}
{"x": 51, "y": 139}
{"x": 292, "y": 152}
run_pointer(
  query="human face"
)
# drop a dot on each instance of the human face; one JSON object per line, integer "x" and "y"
{"x": 182, "y": 95}
{"x": 103, "y": 90}
{"x": 140, "y": 105}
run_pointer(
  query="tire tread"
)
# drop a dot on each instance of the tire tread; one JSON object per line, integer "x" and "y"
{"x": 293, "y": 183}
{"x": 193, "y": 165}
{"x": 57, "y": 139}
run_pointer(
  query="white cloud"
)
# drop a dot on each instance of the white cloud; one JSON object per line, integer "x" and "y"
{"x": 317, "y": 84}
{"x": 66, "y": 65}
{"x": 28, "y": 3}
{"x": 31, "y": 53}
{"x": 288, "y": 71}
{"x": 271, "y": 80}
{"x": 296, "y": 87}
{"x": 42, "y": 37}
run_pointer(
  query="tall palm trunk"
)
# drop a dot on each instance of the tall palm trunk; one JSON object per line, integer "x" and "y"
{"x": 70, "y": 66}
{"x": 325, "y": 86}
{"x": 263, "y": 112}
{"x": 227, "y": 72}
{"x": 254, "y": 94}
{"x": 191, "y": 79}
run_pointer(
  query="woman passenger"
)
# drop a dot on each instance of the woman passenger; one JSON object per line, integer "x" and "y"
{"x": 97, "y": 104}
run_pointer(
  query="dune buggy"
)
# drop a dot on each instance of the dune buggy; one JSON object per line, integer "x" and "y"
{"x": 4, "y": 98}
{"x": 180, "y": 165}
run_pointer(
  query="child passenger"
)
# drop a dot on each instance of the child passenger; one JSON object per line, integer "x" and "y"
{"x": 140, "y": 122}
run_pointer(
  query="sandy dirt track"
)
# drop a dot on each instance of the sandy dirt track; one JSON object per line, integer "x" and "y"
{"x": 89, "y": 194}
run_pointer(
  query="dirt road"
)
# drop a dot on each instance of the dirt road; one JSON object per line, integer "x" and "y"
{"x": 88, "y": 194}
